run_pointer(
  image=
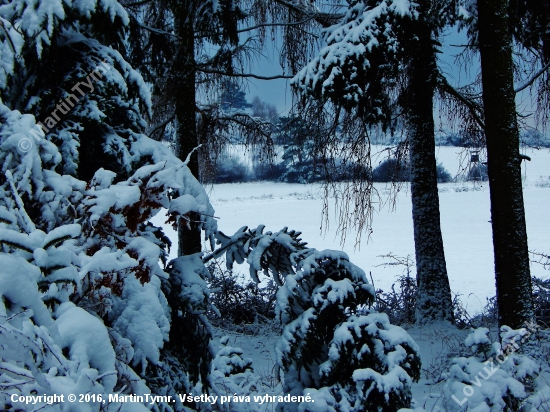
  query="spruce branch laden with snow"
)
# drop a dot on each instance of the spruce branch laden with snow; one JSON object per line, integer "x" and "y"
{"x": 333, "y": 347}
{"x": 91, "y": 256}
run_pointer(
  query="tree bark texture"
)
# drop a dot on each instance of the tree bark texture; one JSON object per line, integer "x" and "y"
{"x": 189, "y": 240}
{"x": 513, "y": 279}
{"x": 434, "y": 301}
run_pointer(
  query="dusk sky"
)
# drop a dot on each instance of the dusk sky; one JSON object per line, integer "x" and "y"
{"x": 279, "y": 93}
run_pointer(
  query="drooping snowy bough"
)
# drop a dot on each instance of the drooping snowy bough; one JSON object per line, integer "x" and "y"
{"x": 333, "y": 347}
{"x": 84, "y": 307}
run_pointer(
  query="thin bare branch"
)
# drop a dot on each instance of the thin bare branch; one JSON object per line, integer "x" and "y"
{"x": 159, "y": 126}
{"x": 251, "y": 75}
{"x": 532, "y": 79}
{"x": 136, "y": 3}
{"x": 324, "y": 19}
{"x": 445, "y": 87}
{"x": 151, "y": 29}
{"x": 294, "y": 23}
{"x": 235, "y": 117}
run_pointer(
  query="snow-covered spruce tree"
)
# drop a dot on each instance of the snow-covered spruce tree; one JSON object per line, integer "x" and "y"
{"x": 231, "y": 375}
{"x": 356, "y": 361}
{"x": 512, "y": 269}
{"x": 296, "y": 136}
{"x": 109, "y": 269}
{"x": 49, "y": 344}
{"x": 346, "y": 357}
{"x": 88, "y": 100}
{"x": 188, "y": 348}
{"x": 492, "y": 27}
{"x": 497, "y": 377}
{"x": 233, "y": 97}
{"x": 44, "y": 353}
{"x": 101, "y": 270}
{"x": 379, "y": 63}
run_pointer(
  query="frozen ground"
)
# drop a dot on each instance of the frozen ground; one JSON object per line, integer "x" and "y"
{"x": 465, "y": 216}
{"x": 438, "y": 343}
{"x": 465, "y": 220}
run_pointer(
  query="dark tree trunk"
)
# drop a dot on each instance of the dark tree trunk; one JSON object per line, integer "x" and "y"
{"x": 189, "y": 335}
{"x": 189, "y": 240}
{"x": 92, "y": 155}
{"x": 434, "y": 302}
{"x": 513, "y": 279}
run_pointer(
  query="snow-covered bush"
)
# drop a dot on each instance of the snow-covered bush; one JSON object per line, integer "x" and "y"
{"x": 333, "y": 347}
{"x": 231, "y": 375}
{"x": 270, "y": 171}
{"x": 400, "y": 304}
{"x": 495, "y": 378}
{"x": 534, "y": 138}
{"x": 231, "y": 170}
{"x": 394, "y": 170}
{"x": 443, "y": 175}
{"x": 356, "y": 361}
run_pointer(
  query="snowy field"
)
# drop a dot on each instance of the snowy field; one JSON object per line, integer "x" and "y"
{"x": 465, "y": 220}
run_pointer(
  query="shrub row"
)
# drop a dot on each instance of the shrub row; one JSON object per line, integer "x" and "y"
{"x": 231, "y": 170}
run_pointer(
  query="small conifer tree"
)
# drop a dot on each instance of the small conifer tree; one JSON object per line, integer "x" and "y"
{"x": 333, "y": 347}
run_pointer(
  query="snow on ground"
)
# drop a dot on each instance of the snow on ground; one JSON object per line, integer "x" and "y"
{"x": 465, "y": 221}
{"x": 438, "y": 344}
{"x": 465, "y": 217}
{"x": 259, "y": 347}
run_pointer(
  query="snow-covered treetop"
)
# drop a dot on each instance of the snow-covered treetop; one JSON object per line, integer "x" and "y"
{"x": 39, "y": 19}
{"x": 363, "y": 67}
{"x": 361, "y": 57}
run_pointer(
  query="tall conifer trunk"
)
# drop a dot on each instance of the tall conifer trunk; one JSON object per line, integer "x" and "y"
{"x": 434, "y": 302}
{"x": 189, "y": 239}
{"x": 186, "y": 327}
{"x": 513, "y": 278}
